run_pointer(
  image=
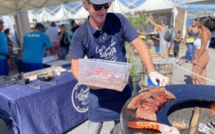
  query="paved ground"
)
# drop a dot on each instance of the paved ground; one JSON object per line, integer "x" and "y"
{"x": 180, "y": 76}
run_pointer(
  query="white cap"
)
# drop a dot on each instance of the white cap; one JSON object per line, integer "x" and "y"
{"x": 99, "y": 2}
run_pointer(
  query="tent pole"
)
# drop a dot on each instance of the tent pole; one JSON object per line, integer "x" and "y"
{"x": 23, "y": 25}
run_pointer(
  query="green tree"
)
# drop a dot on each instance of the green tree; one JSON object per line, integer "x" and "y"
{"x": 138, "y": 20}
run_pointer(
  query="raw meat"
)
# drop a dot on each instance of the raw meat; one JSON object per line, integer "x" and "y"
{"x": 153, "y": 101}
{"x": 135, "y": 102}
{"x": 145, "y": 114}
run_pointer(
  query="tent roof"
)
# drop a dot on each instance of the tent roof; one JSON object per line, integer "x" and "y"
{"x": 12, "y": 6}
{"x": 193, "y": 1}
{"x": 154, "y": 5}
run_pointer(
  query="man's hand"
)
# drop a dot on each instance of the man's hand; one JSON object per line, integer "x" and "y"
{"x": 155, "y": 76}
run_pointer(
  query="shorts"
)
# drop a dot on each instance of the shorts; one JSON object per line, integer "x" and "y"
{"x": 64, "y": 50}
{"x": 157, "y": 49}
{"x": 170, "y": 46}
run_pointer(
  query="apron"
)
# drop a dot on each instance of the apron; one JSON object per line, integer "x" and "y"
{"x": 4, "y": 67}
{"x": 106, "y": 104}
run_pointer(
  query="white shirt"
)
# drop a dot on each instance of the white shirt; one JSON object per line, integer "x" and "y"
{"x": 52, "y": 32}
{"x": 198, "y": 43}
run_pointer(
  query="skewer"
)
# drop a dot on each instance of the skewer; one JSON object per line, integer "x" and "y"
{"x": 195, "y": 121}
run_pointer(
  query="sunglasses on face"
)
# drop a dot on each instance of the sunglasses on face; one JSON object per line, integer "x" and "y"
{"x": 99, "y": 7}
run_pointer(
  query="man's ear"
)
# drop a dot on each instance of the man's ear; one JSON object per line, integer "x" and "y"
{"x": 85, "y": 4}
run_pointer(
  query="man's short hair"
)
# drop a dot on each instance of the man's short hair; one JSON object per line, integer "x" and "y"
{"x": 72, "y": 22}
{"x": 39, "y": 25}
{"x": 6, "y": 30}
{"x": 164, "y": 19}
{"x": 53, "y": 24}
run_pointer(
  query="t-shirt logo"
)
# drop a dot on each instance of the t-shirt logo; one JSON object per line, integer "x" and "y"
{"x": 107, "y": 52}
{"x": 80, "y": 98}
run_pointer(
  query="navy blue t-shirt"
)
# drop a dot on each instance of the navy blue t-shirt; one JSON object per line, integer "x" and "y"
{"x": 107, "y": 44}
{"x": 115, "y": 24}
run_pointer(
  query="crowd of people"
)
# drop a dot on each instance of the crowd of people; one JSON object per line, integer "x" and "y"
{"x": 197, "y": 40}
{"x": 163, "y": 47}
{"x": 37, "y": 44}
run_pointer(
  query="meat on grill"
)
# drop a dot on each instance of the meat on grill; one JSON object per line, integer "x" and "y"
{"x": 145, "y": 113}
{"x": 135, "y": 102}
{"x": 161, "y": 97}
{"x": 153, "y": 101}
{"x": 147, "y": 103}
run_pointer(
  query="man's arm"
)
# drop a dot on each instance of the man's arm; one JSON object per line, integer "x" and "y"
{"x": 155, "y": 24}
{"x": 75, "y": 68}
{"x": 144, "y": 53}
{"x": 145, "y": 56}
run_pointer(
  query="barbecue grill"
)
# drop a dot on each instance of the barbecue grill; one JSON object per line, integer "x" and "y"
{"x": 179, "y": 110}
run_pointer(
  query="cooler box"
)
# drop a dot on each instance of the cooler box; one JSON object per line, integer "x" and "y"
{"x": 104, "y": 74}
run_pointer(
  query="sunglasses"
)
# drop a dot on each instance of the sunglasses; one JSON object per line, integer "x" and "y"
{"x": 99, "y": 7}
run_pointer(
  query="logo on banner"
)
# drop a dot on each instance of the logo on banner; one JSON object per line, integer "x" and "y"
{"x": 80, "y": 98}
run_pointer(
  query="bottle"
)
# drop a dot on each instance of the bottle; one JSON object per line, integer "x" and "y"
{"x": 150, "y": 83}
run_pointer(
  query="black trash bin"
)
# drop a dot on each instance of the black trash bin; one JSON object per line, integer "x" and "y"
{"x": 19, "y": 65}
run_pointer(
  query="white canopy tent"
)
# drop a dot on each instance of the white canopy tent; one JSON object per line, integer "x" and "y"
{"x": 19, "y": 8}
{"x": 13, "y": 6}
{"x": 155, "y": 6}
{"x": 193, "y": 1}
{"x": 118, "y": 7}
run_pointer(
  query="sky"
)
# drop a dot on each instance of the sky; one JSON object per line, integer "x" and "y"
{"x": 201, "y": 5}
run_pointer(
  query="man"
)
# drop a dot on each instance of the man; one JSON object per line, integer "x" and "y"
{"x": 74, "y": 26}
{"x": 64, "y": 41}
{"x": 106, "y": 33}
{"x": 34, "y": 44}
{"x": 52, "y": 32}
{"x": 162, "y": 28}
{"x": 4, "y": 67}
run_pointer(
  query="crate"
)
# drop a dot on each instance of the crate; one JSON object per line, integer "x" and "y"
{"x": 162, "y": 65}
{"x": 103, "y": 74}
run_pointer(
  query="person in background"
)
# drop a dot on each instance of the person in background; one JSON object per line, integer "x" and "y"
{"x": 74, "y": 25}
{"x": 176, "y": 41}
{"x": 170, "y": 44}
{"x": 190, "y": 36}
{"x": 4, "y": 67}
{"x": 34, "y": 45}
{"x": 162, "y": 28}
{"x": 10, "y": 48}
{"x": 156, "y": 40}
{"x": 102, "y": 36}
{"x": 201, "y": 57}
{"x": 52, "y": 33}
{"x": 9, "y": 41}
{"x": 64, "y": 38}
{"x": 15, "y": 44}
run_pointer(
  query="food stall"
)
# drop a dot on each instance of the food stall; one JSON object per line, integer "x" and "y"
{"x": 31, "y": 103}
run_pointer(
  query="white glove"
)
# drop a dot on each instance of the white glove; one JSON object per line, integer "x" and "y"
{"x": 14, "y": 50}
{"x": 155, "y": 76}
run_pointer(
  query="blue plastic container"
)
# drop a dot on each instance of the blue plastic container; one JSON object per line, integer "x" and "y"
{"x": 150, "y": 83}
